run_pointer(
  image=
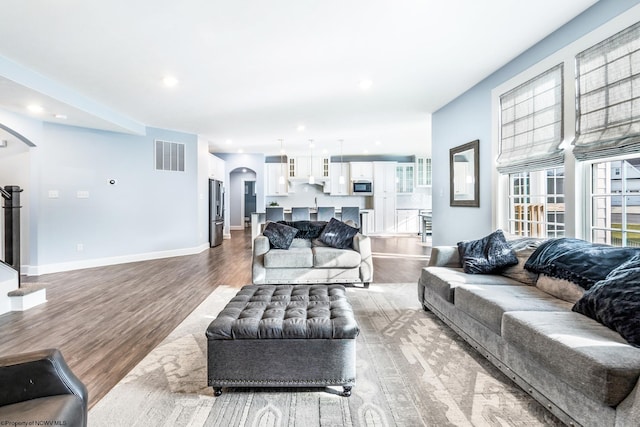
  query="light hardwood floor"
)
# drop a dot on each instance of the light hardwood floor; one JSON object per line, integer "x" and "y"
{"x": 105, "y": 320}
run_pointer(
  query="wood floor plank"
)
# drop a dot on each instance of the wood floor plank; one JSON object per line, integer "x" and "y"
{"x": 106, "y": 320}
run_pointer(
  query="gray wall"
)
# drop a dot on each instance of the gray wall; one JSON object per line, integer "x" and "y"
{"x": 147, "y": 214}
{"x": 468, "y": 117}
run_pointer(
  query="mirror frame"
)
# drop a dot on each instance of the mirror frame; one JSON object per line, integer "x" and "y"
{"x": 474, "y": 146}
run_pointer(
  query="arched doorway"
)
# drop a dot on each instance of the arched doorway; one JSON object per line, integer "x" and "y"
{"x": 242, "y": 196}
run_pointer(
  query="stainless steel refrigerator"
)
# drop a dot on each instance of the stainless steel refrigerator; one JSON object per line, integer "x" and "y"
{"x": 216, "y": 212}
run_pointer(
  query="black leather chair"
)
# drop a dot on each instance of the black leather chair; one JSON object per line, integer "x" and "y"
{"x": 39, "y": 387}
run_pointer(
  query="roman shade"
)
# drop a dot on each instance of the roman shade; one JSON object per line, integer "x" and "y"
{"x": 608, "y": 91}
{"x": 531, "y": 128}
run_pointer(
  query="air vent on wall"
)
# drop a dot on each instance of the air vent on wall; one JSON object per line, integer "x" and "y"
{"x": 169, "y": 156}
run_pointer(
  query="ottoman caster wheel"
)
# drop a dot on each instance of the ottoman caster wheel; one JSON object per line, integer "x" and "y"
{"x": 217, "y": 391}
{"x": 347, "y": 391}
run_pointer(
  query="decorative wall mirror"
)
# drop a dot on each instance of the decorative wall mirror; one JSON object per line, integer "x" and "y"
{"x": 464, "y": 175}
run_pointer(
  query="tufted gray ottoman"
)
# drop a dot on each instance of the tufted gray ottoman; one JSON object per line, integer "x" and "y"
{"x": 284, "y": 336}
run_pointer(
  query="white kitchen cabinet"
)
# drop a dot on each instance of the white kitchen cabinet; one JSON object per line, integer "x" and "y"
{"x": 405, "y": 178}
{"x": 423, "y": 172}
{"x": 361, "y": 171}
{"x": 274, "y": 185}
{"x": 384, "y": 196}
{"x": 408, "y": 221}
{"x": 338, "y": 170}
{"x": 303, "y": 166}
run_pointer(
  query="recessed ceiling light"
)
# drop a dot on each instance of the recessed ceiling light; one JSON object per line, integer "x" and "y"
{"x": 378, "y": 143}
{"x": 240, "y": 150}
{"x": 60, "y": 116}
{"x": 365, "y": 151}
{"x": 170, "y": 81}
{"x": 365, "y": 84}
{"x": 301, "y": 128}
{"x": 35, "y": 108}
{"x": 228, "y": 142}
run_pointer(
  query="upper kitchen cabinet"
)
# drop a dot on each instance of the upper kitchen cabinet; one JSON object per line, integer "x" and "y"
{"x": 361, "y": 171}
{"x": 384, "y": 178}
{"x": 301, "y": 167}
{"x": 405, "y": 178}
{"x": 276, "y": 182}
{"x": 339, "y": 170}
{"x": 423, "y": 172}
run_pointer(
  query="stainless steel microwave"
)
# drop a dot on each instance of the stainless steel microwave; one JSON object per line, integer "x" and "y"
{"x": 362, "y": 187}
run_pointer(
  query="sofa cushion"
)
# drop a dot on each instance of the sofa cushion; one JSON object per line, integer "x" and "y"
{"x": 280, "y": 235}
{"x": 443, "y": 280}
{"x": 615, "y": 301}
{"x": 523, "y": 249}
{"x": 337, "y": 234}
{"x": 581, "y": 352}
{"x": 487, "y": 303}
{"x": 300, "y": 243}
{"x": 487, "y": 255}
{"x": 328, "y": 257}
{"x": 292, "y": 258}
{"x": 560, "y": 288}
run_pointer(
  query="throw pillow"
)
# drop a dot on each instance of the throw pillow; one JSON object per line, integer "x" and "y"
{"x": 337, "y": 234}
{"x": 280, "y": 235}
{"x": 487, "y": 255}
{"x": 523, "y": 247}
{"x": 615, "y": 301}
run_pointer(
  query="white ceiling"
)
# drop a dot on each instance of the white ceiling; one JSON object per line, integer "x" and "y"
{"x": 251, "y": 71}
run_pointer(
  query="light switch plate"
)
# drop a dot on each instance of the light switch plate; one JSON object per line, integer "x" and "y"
{"x": 54, "y": 194}
{"x": 82, "y": 194}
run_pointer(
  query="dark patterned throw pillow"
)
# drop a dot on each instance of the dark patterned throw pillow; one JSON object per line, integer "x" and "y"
{"x": 487, "y": 255}
{"x": 337, "y": 234}
{"x": 615, "y": 301}
{"x": 280, "y": 235}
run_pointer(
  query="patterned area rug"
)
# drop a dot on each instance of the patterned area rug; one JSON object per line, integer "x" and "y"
{"x": 412, "y": 370}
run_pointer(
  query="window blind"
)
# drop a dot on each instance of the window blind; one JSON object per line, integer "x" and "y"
{"x": 531, "y": 124}
{"x": 608, "y": 92}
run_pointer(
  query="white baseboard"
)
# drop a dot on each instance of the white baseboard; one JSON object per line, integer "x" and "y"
{"x": 36, "y": 270}
{"x": 236, "y": 227}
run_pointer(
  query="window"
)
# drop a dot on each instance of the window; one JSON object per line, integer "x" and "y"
{"x": 531, "y": 124}
{"x": 169, "y": 156}
{"x": 608, "y": 104}
{"x": 536, "y": 203}
{"x": 615, "y": 202}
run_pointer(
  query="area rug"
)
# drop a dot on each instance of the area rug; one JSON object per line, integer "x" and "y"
{"x": 412, "y": 370}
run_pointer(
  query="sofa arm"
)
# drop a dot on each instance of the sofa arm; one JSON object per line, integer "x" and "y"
{"x": 261, "y": 246}
{"x": 38, "y": 374}
{"x": 362, "y": 244}
{"x": 445, "y": 256}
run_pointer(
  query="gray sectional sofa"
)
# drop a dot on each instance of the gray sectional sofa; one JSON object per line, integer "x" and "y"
{"x": 309, "y": 261}
{"x": 581, "y": 371}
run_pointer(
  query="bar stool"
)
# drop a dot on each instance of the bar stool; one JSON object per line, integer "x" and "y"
{"x": 274, "y": 214}
{"x": 351, "y": 213}
{"x": 325, "y": 213}
{"x": 300, "y": 214}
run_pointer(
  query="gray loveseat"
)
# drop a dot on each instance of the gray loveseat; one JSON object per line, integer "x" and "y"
{"x": 581, "y": 371}
{"x": 309, "y": 261}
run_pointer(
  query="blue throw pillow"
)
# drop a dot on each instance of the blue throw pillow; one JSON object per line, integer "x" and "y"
{"x": 615, "y": 301}
{"x": 487, "y": 255}
{"x": 337, "y": 234}
{"x": 280, "y": 235}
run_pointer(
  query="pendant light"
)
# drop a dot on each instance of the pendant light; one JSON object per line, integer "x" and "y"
{"x": 281, "y": 179}
{"x": 341, "y": 179}
{"x": 312, "y": 179}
